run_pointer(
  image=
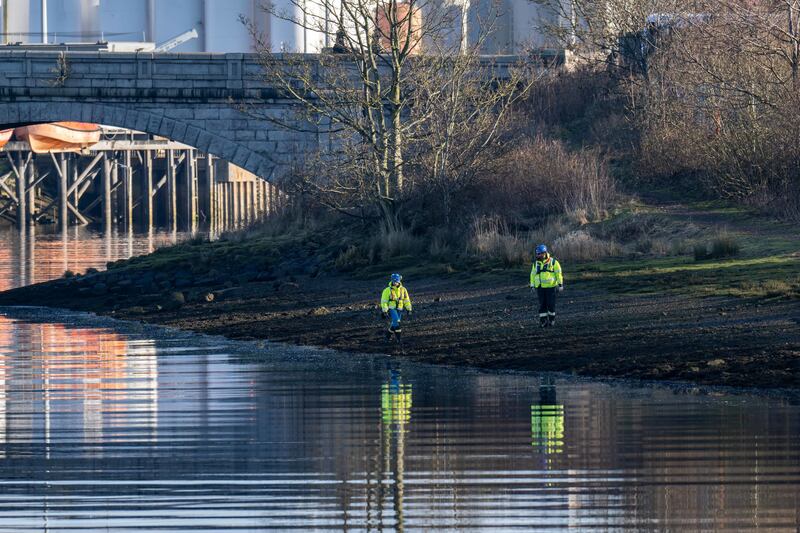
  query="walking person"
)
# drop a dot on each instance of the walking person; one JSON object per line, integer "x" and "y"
{"x": 395, "y": 300}
{"x": 546, "y": 279}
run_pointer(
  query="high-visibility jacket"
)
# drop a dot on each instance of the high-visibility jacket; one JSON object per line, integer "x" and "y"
{"x": 395, "y": 403}
{"x": 395, "y": 298}
{"x": 547, "y": 428}
{"x": 546, "y": 274}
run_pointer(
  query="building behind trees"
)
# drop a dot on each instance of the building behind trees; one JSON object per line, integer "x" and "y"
{"x": 218, "y": 23}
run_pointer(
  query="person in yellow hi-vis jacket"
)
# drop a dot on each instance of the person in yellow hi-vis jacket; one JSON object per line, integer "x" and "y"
{"x": 546, "y": 279}
{"x": 394, "y": 300}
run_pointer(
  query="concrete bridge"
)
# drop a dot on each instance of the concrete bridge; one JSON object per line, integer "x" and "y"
{"x": 189, "y": 98}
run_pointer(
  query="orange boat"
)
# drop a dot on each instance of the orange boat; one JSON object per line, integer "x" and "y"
{"x": 5, "y": 136}
{"x": 59, "y": 136}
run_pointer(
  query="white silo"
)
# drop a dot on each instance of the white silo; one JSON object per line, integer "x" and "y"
{"x": 285, "y": 31}
{"x": 218, "y": 22}
{"x": 122, "y": 20}
{"x": 18, "y": 22}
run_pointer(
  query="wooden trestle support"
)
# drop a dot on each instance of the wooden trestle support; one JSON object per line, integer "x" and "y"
{"x": 131, "y": 185}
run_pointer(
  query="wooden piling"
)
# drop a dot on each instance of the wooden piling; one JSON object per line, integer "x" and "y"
{"x": 251, "y": 201}
{"x": 115, "y": 192}
{"x": 31, "y": 189}
{"x": 73, "y": 179}
{"x": 106, "y": 192}
{"x": 262, "y": 198}
{"x": 245, "y": 202}
{"x": 231, "y": 204}
{"x": 22, "y": 266}
{"x": 63, "y": 196}
{"x": 237, "y": 203}
{"x": 211, "y": 184}
{"x": 223, "y": 204}
{"x": 128, "y": 190}
{"x": 190, "y": 175}
{"x": 172, "y": 200}
{"x": 21, "y": 198}
{"x": 147, "y": 188}
{"x": 246, "y": 210}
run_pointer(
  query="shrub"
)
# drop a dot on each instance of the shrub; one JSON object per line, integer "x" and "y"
{"x": 351, "y": 257}
{"x": 388, "y": 244}
{"x": 700, "y": 251}
{"x": 543, "y": 177}
{"x": 580, "y": 246}
{"x": 777, "y": 288}
{"x": 439, "y": 248}
{"x": 722, "y": 246}
{"x": 491, "y": 239}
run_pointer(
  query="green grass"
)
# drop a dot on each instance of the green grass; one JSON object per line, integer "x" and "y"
{"x": 748, "y": 255}
{"x": 772, "y": 276}
{"x": 265, "y": 250}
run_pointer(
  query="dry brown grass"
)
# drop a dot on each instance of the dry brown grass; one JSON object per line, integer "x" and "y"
{"x": 544, "y": 177}
{"x": 581, "y": 246}
{"x": 490, "y": 239}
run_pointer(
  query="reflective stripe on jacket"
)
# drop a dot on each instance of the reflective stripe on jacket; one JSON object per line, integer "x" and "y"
{"x": 395, "y": 298}
{"x": 546, "y": 274}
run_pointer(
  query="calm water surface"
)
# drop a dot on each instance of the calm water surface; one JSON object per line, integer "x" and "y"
{"x": 111, "y": 426}
{"x": 43, "y": 253}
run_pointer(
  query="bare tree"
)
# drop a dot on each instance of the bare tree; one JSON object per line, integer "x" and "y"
{"x": 395, "y": 82}
{"x": 711, "y": 86}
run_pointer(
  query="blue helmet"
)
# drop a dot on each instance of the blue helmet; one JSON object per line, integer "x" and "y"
{"x": 541, "y": 249}
{"x": 396, "y": 278}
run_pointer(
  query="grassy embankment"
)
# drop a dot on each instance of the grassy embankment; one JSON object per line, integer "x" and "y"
{"x": 746, "y": 255}
{"x": 702, "y": 250}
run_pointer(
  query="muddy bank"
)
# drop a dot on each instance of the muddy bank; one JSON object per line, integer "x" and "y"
{"x": 488, "y": 323}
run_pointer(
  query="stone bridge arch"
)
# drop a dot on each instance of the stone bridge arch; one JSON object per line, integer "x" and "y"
{"x": 233, "y": 147}
{"x": 194, "y": 99}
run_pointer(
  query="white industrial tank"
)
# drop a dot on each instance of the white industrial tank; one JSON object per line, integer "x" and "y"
{"x": 218, "y": 23}
{"x": 219, "y": 26}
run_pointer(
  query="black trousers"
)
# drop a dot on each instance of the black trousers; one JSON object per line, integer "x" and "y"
{"x": 547, "y": 301}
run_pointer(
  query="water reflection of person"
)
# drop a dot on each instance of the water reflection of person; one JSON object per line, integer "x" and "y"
{"x": 396, "y": 399}
{"x": 547, "y": 420}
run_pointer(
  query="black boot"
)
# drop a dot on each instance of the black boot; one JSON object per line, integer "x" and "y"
{"x": 552, "y": 320}
{"x": 543, "y": 321}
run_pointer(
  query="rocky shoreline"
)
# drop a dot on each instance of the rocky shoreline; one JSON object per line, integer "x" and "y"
{"x": 488, "y": 322}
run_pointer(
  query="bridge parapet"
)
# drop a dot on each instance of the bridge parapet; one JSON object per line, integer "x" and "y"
{"x": 148, "y": 76}
{"x": 144, "y": 75}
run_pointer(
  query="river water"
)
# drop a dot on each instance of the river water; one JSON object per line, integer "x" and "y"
{"x": 113, "y": 426}
{"x": 43, "y": 253}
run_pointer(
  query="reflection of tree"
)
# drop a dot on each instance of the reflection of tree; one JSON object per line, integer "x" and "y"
{"x": 547, "y": 420}
{"x": 396, "y": 398}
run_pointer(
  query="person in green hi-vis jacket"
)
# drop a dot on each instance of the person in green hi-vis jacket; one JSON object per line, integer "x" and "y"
{"x": 546, "y": 280}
